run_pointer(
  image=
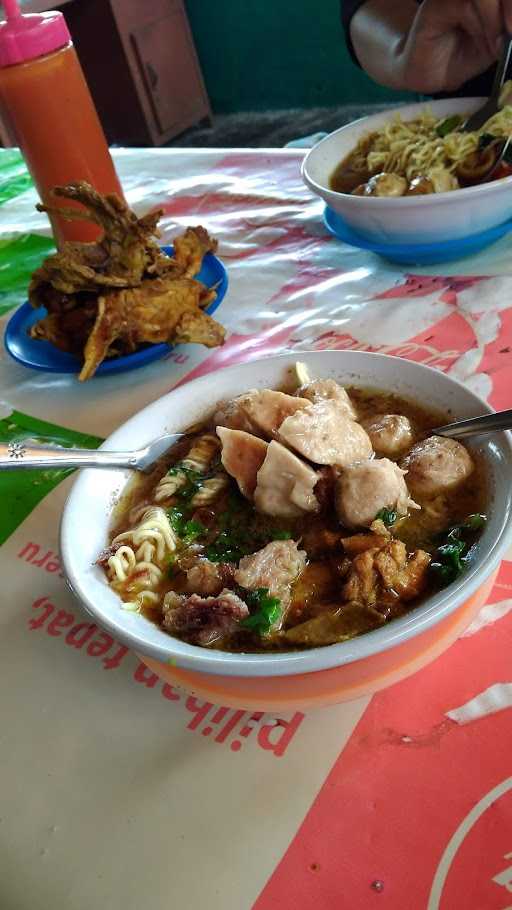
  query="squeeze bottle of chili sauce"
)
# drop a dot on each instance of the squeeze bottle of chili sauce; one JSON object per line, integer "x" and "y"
{"x": 45, "y": 101}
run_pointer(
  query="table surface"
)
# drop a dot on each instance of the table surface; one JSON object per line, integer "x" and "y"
{"x": 118, "y": 791}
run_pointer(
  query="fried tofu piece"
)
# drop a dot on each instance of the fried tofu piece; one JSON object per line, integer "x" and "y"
{"x": 387, "y": 568}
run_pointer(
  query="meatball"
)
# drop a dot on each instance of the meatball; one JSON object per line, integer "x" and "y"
{"x": 285, "y": 484}
{"x": 386, "y": 185}
{"x": 420, "y": 186}
{"x": 436, "y": 465}
{"x": 203, "y": 620}
{"x": 319, "y": 389}
{"x": 275, "y": 567}
{"x": 363, "y": 489}
{"x": 242, "y": 456}
{"x": 325, "y": 435}
{"x": 390, "y": 434}
{"x": 259, "y": 411}
{"x": 442, "y": 180}
{"x": 205, "y": 577}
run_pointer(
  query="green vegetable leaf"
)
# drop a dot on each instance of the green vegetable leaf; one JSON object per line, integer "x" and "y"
{"x": 265, "y": 611}
{"x": 187, "y": 531}
{"x": 484, "y": 140}
{"x": 191, "y": 531}
{"x": 229, "y": 546}
{"x": 180, "y": 468}
{"x": 448, "y": 125}
{"x": 451, "y": 557}
{"x": 280, "y": 535}
{"x": 388, "y": 516}
{"x": 194, "y": 480}
{"x": 445, "y": 574}
{"x": 171, "y": 566}
{"x": 475, "y": 522}
{"x": 176, "y": 518}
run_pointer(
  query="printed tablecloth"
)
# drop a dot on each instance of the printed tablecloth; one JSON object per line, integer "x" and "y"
{"x": 119, "y": 791}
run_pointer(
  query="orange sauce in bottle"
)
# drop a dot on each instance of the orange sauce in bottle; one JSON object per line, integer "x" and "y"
{"x": 47, "y": 104}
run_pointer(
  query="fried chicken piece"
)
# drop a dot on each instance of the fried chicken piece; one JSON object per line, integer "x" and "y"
{"x": 126, "y": 251}
{"x": 190, "y": 249}
{"x": 160, "y": 310}
{"x": 105, "y": 298}
{"x": 69, "y": 330}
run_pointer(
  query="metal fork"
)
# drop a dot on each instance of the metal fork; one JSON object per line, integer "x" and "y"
{"x": 491, "y": 106}
{"x": 26, "y": 454}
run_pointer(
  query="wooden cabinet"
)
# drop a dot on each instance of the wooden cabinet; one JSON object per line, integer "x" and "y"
{"x": 172, "y": 78}
{"x": 141, "y": 65}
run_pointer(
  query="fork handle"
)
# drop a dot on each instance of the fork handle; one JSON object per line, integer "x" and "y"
{"x": 502, "y": 69}
{"x": 23, "y": 455}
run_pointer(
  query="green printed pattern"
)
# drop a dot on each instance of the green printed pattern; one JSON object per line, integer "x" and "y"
{"x": 14, "y": 177}
{"x": 21, "y": 491}
{"x": 19, "y": 257}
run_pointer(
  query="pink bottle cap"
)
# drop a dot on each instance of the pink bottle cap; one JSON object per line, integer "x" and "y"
{"x": 26, "y": 37}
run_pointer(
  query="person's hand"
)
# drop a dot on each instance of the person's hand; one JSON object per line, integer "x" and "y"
{"x": 451, "y": 41}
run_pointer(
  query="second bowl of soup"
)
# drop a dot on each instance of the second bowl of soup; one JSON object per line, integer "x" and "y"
{"x": 394, "y": 180}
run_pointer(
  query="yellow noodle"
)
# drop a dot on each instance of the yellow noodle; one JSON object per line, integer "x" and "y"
{"x": 412, "y": 149}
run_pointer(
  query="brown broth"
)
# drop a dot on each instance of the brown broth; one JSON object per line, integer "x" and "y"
{"x": 318, "y": 588}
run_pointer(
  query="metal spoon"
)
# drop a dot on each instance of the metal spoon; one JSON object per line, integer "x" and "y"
{"x": 488, "y": 423}
{"x": 26, "y": 454}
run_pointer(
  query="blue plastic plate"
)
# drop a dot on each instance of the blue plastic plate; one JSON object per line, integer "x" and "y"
{"x": 415, "y": 253}
{"x": 42, "y": 355}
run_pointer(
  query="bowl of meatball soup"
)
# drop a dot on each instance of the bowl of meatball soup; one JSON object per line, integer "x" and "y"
{"x": 392, "y": 177}
{"x": 309, "y": 536}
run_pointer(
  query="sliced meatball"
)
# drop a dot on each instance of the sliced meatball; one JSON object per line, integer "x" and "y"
{"x": 260, "y": 411}
{"x": 267, "y": 409}
{"x": 390, "y": 434}
{"x": 436, "y": 465}
{"x": 231, "y": 414}
{"x": 285, "y": 484}
{"x": 323, "y": 435}
{"x": 203, "y": 620}
{"x": 365, "y": 488}
{"x": 321, "y": 389}
{"x": 242, "y": 456}
{"x": 275, "y": 567}
{"x": 205, "y": 577}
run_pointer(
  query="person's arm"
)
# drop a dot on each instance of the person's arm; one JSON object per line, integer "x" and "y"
{"x": 433, "y": 47}
{"x": 378, "y": 31}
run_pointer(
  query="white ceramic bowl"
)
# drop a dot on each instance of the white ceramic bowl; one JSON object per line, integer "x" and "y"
{"x": 408, "y": 219}
{"x": 87, "y": 514}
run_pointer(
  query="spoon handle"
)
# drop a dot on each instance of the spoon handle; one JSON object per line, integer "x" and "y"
{"x": 23, "y": 455}
{"x": 489, "y": 423}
